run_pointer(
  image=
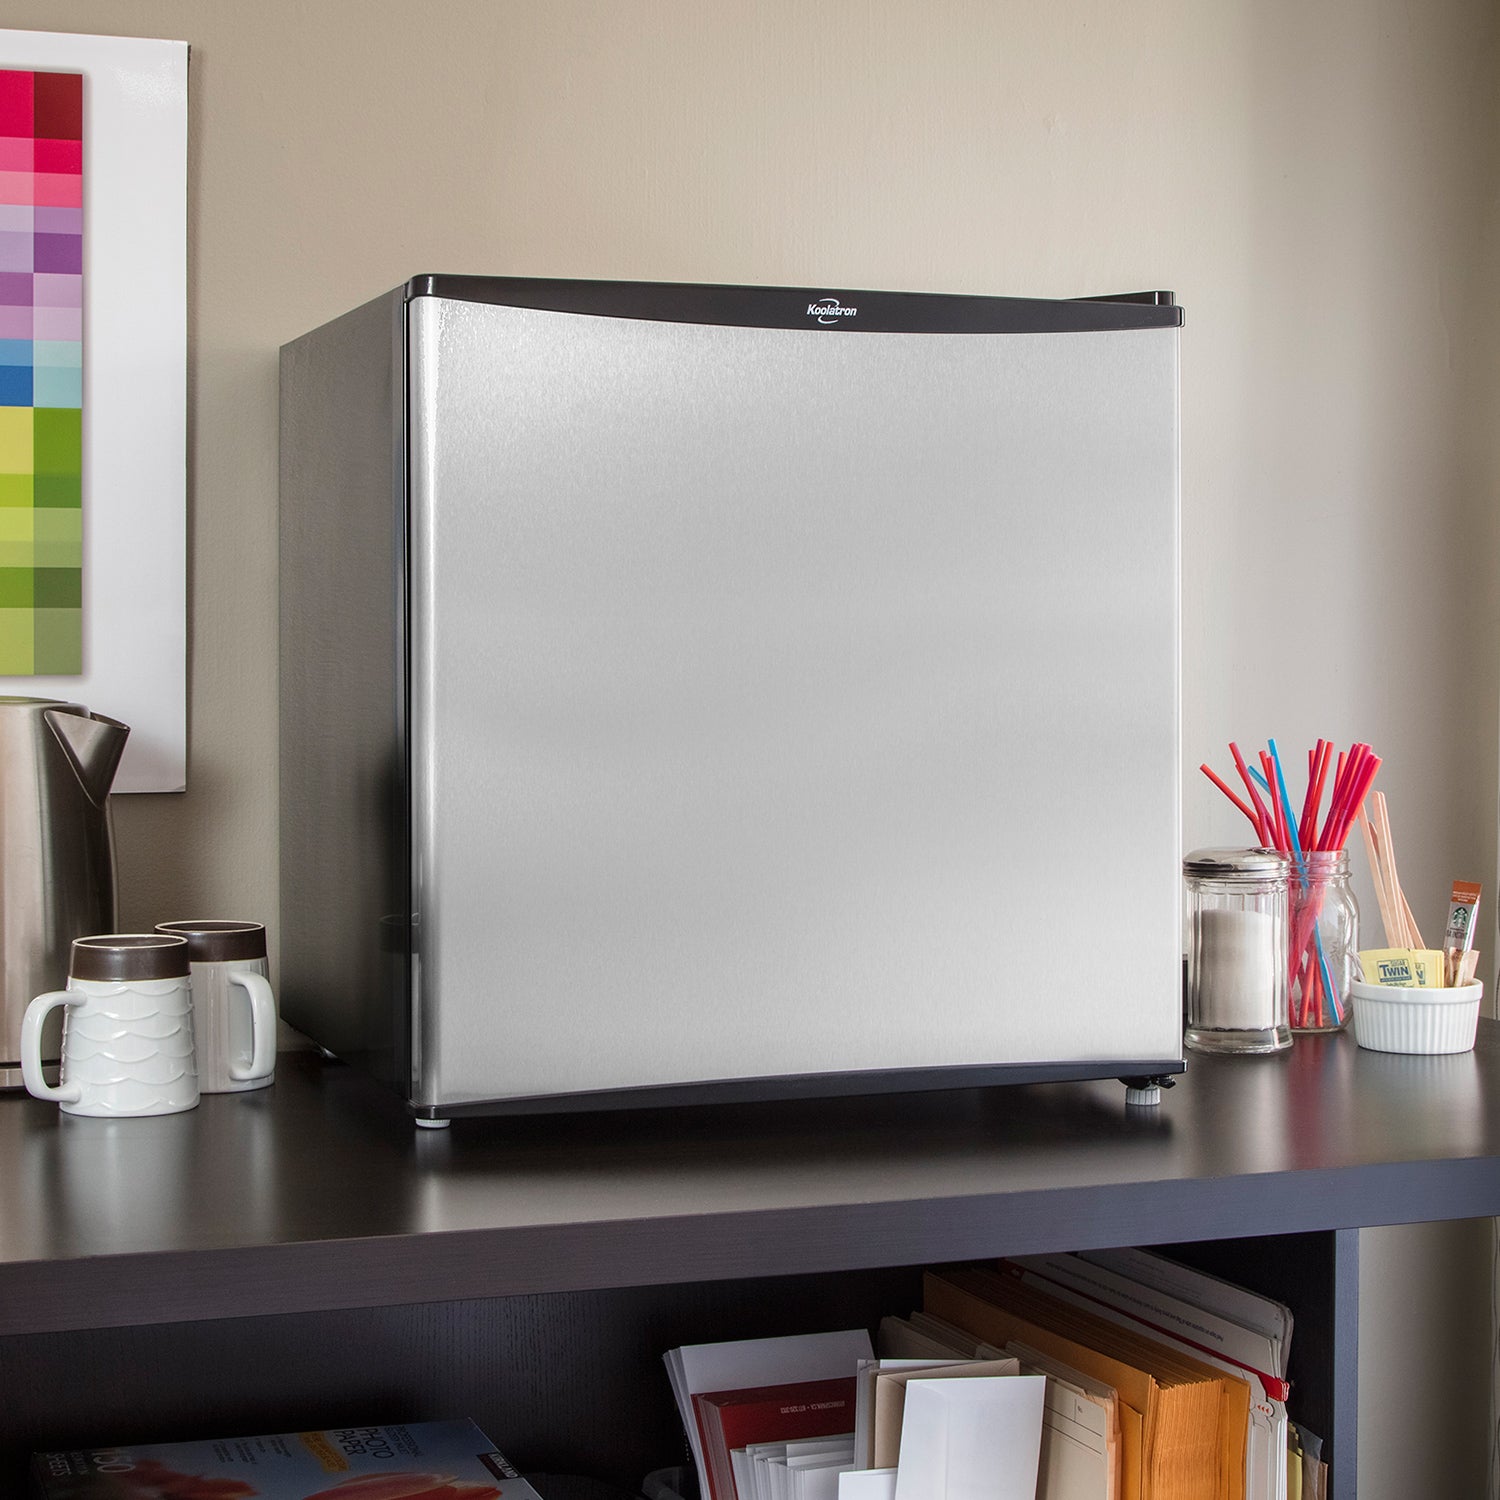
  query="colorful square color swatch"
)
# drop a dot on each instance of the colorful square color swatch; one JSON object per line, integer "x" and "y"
{"x": 41, "y": 374}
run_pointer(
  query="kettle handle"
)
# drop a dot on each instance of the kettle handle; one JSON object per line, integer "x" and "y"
{"x": 93, "y": 745}
{"x": 31, "y": 1047}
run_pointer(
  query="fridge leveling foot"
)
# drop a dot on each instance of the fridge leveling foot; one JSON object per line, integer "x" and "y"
{"x": 432, "y": 1124}
{"x": 1146, "y": 1091}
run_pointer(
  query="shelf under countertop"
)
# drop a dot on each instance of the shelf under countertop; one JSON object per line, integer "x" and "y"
{"x": 320, "y": 1193}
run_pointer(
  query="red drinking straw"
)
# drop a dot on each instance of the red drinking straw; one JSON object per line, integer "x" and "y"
{"x": 1260, "y": 807}
{"x": 1354, "y": 769}
{"x": 1312, "y": 993}
{"x": 1243, "y": 806}
{"x": 1307, "y": 824}
{"x": 1317, "y": 801}
{"x": 1350, "y": 768}
{"x": 1357, "y": 799}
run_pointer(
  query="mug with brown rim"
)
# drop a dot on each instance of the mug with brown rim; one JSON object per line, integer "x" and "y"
{"x": 127, "y": 1041}
{"x": 234, "y": 1010}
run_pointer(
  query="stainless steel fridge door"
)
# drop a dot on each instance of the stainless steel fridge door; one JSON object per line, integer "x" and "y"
{"x": 787, "y": 701}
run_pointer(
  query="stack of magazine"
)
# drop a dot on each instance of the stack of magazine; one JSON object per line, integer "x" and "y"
{"x": 417, "y": 1461}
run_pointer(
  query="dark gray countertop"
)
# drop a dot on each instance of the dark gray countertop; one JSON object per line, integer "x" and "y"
{"x": 320, "y": 1193}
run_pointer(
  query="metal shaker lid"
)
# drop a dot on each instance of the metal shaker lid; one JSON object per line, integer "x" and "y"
{"x": 1260, "y": 864}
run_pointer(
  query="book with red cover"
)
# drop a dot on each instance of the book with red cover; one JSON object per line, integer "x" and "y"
{"x": 768, "y": 1414}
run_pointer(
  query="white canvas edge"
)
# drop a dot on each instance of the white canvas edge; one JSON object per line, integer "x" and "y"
{"x": 134, "y": 394}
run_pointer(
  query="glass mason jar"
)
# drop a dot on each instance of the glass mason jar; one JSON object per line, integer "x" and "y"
{"x": 1237, "y": 928}
{"x": 1324, "y": 941}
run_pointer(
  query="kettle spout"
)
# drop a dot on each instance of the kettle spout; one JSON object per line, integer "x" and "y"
{"x": 93, "y": 745}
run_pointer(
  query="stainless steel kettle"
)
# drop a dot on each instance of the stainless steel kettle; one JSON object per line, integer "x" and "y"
{"x": 57, "y": 858}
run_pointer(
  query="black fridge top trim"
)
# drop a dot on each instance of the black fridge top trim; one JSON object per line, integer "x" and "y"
{"x": 808, "y": 307}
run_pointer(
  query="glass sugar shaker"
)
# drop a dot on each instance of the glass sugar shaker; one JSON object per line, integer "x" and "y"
{"x": 1237, "y": 937}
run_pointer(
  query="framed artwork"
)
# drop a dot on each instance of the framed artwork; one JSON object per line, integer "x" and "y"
{"x": 93, "y": 385}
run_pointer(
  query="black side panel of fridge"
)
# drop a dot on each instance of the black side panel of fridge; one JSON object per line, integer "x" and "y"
{"x": 345, "y": 838}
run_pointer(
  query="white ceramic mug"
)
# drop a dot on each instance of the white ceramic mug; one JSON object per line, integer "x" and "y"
{"x": 127, "y": 1041}
{"x": 234, "y": 1010}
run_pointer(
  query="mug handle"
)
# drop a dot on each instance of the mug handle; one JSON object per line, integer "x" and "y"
{"x": 31, "y": 1048}
{"x": 262, "y": 1026}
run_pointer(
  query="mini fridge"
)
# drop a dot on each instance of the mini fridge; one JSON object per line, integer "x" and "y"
{"x": 694, "y": 692}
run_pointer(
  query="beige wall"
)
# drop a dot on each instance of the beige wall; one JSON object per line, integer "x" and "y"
{"x": 1315, "y": 181}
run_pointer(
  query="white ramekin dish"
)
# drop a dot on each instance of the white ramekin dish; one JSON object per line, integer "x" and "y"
{"x": 1388, "y": 1019}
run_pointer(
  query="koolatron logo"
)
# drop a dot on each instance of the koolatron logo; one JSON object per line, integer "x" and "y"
{"x": 828, "y": 310}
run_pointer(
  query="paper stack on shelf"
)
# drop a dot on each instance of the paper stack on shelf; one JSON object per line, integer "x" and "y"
{"x": 1079, "y": 1450}
{"x": 805, "y": 1470}
{"x": 825, "y": 1420}
{"x": 751, "y": 1386}
{"x": 1306, "y": 1473}
{"x": 809, "y": 1412}
{"x": 923, "y": 1337}
{"x": 1234, "y": 1329}
{"x": 1182, "y": 1421}
{"x": 1081, "y": 1454}
{"x": 976, "y": 1427}
{"x": 970, "y": 1438}
{"x": 866, "y": 1374}
{"x": 892, "y": 1387}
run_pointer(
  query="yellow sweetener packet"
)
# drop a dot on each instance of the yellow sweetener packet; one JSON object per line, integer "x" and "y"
{"x": 1393, "y": 966}
{"x": 1429, "y": 966}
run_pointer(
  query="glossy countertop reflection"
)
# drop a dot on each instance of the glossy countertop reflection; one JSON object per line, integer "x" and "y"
{"x": 320, "y": 1190}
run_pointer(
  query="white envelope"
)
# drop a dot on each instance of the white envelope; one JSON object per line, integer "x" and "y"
{"x": 890, "y": 1399}
{"x": 971, "y": 1439}
{"x": 868, "y": 1484}
{"x": 865, "y": 1374}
